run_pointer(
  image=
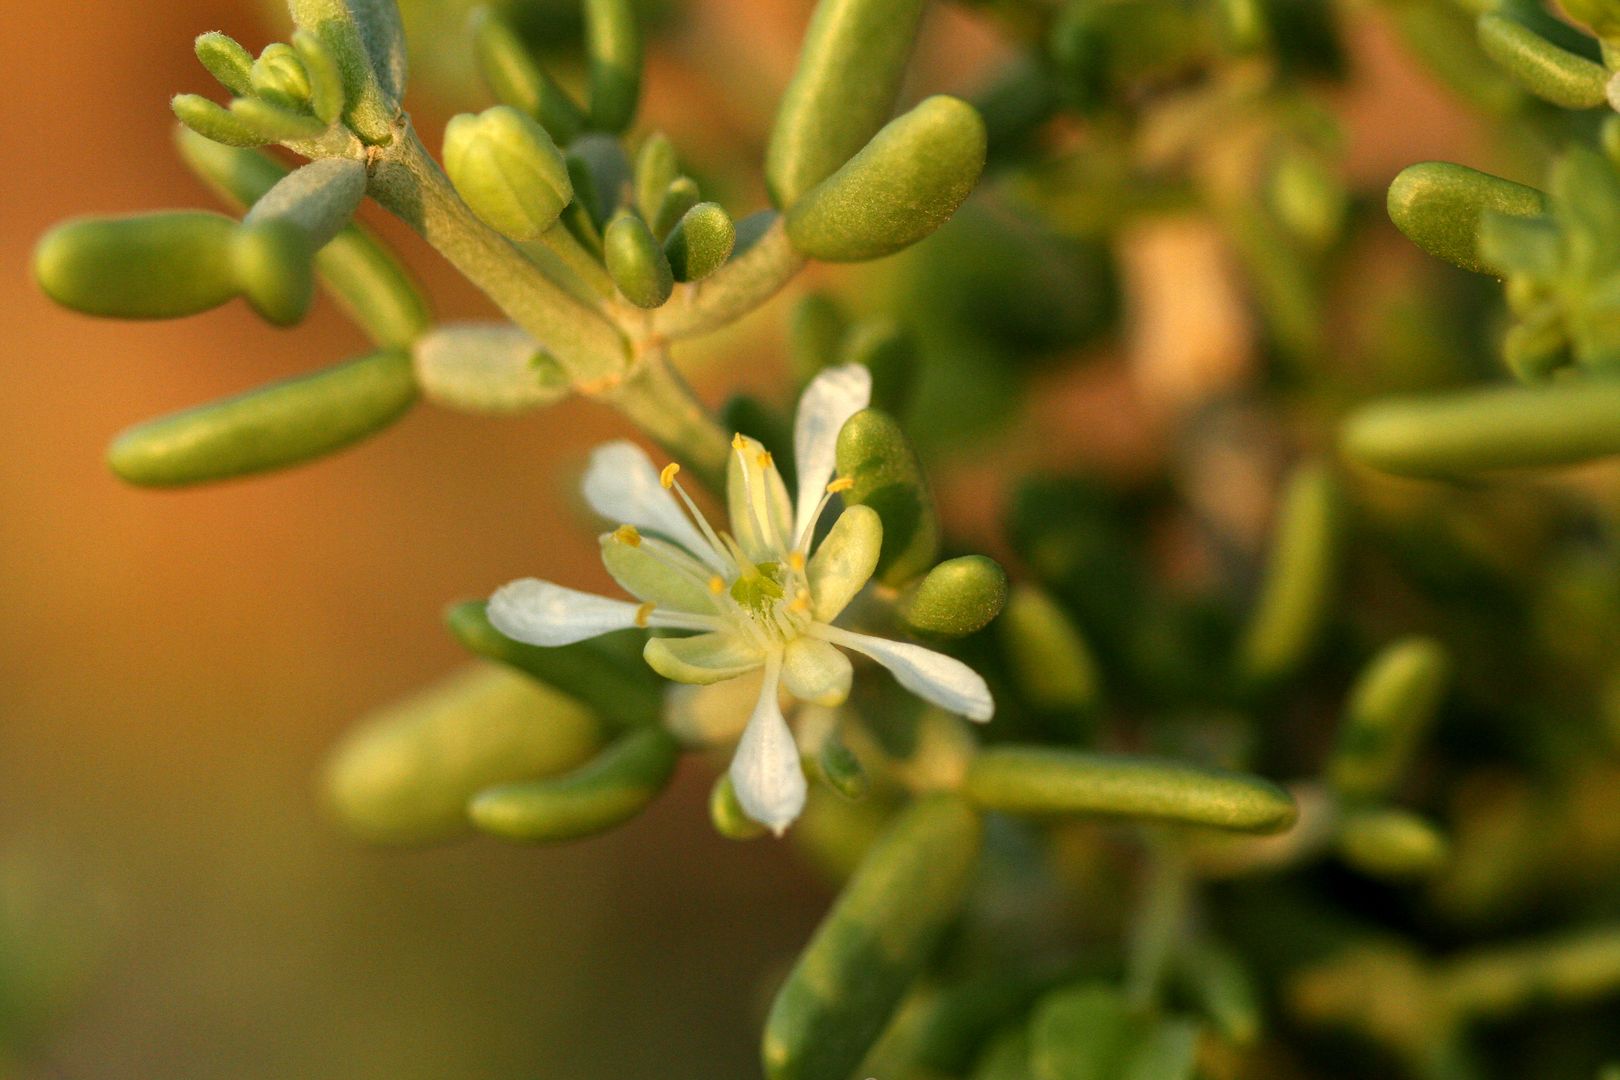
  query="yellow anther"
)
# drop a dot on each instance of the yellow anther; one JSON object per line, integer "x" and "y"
{"x": 667, "y": 477}
{"x": 765, "y": 460}
{"x": 796, "y": 561}
{"x": 843, "y": 483}
{"x": 643, "y": 613}
{"x": 717, "y": 584}
{"x": 739, "y": 442}
{"x": 627, "y": 534}
{"x": 801, "y": 603}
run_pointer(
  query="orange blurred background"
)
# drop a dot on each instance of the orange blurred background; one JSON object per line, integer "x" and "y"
{"x": 173, "y": 666}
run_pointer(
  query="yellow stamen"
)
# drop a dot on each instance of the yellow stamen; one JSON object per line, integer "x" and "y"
{"x": 801, "y": 603}
{"x": 627, "y": 534}
{"x": 843, "y": 483}
{"x": 717, "y": 584}
{"x": 765, "y": 460}
{"x": 796, "y": 561}
{"x": 667, "y": 477}
{"x": 643, "y": 613}
{"x": 738, "y": 442}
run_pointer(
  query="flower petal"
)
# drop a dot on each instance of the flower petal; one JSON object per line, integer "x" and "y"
{"x": 642, "y": 574}
{"x": 843, "y": 563}
{"x": 542, "y": 613}
{"x": 622, "y": 485}
{"x": 705, "y": 658}
{"x": 936, "y": 678}
{"x": 765, "y": 770}
{"x": 831, "y": 398}
{"x": 757, "y": 502}
{"x": 816, "y": 672}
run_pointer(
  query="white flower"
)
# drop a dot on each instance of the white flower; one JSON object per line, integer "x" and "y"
{"x": 755, "y": 598}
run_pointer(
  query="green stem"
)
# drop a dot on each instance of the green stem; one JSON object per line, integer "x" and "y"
{"x": 1163, "y": 913}
{"x": 581, "y": 263}
{"x": 657, "y": 400}
{"x": 734, "y": 290}
{"x": 408, "y": 182}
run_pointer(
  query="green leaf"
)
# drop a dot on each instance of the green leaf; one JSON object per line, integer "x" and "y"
{"x": 1221, "y": 985}
{"x": 215, "y": 122}
{"x": 1051, "y": 661}
{"x": 269, "y": 428}
{"x": 701, "y": 242}
{"x": 274, "y": 123}
{"x": 226, "y": 61}
{"x": 326, "y": 95}
{"x": 613, "y": 63}
{"x": 680, "y": 196}
{"x": 1391, "y": 708}
{"x": 404, "y": 774}
{"x": 515, "y": 79}
{"x": 850, "y": 67}
{"x": 1044, "y": 781}
{"x": 367, "y": 42}
{"x": 319, "y": 198}
{"x": 905, "y": 183}
{"x": 1440, "y": 208}
{"x": 599, "y": 795}
{"x": 1476, "y": 431}
{"x": 619, "y": 688}
{"x": 1547, "y": 71}
{"x": 873, "y": 943}
{"x": 491, "y": 368}
{"x": 360, "y": 272}
{"x": 876, "y": 455}
{"x": 841, "y": 769}
{"x": 817, "y": 328}
{"x": 274, "y": 263}
{"x": 279, "y": 76}
{"x": 601, "y": 176}
{"x": 636, "y": 262}
{"x": 1389, "y": 843}
{"x": 889, "y": 352}
{"x": 730, "y": 820}
{"x": 150, "y": 266}
{"x": 957, "y": 597}
{"x": 656, "y": 168}
{"x": 1084, "y": 1033}
{"x": 1301, "y": 575}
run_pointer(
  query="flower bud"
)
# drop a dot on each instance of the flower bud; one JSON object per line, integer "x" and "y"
{"x": 151, "y": 266}
{"x": 508, "y": 170}
{"x": 700, "y": 242}
{"x": 636, "y": 262}
{"x": 902, "y": 186}
{"x": 957, "y": 597}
